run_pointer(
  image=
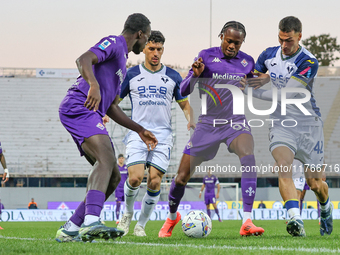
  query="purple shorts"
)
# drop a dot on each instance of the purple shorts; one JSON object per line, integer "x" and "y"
{"x": 119, "y": 195}
{"x": 79, "y": 121}
{"x": 206, "y": 139}
{"x": 209, "y": 199}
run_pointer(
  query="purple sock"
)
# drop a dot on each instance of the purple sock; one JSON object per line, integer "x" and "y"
{"x": 175, "y": 195}
{"x": 208, "y": 212}
{"x": 216, "y": 211}
{"x": 248, "y": 182}
{"x": 94, "y": 202}
{"x": 319, "y": 211}
{"x": 117, "y": 210}
{"x": 79, "y": 214}
{"x": 301, "y": 205}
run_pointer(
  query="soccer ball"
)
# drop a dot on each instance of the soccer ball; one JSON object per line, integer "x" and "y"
{"x": 196, "y": 224}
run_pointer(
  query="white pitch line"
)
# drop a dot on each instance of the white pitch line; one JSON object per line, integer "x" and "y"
{"x": 211, "y": 247}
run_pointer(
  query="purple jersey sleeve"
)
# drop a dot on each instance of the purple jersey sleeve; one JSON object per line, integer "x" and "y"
{"x": 186, "y": 89}
{"x": 105, "y": 49}
{"x": 0, "y": 148}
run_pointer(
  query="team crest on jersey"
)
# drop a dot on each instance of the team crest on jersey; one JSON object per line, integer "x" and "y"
{"x": 113, "y": 39}
{"x": 100, "y": 126}
{"x": 244, "y": 62}
{"x": 290, "y": 69}
{"x": 164, "y": 79}
{"x": 104, "y": 45}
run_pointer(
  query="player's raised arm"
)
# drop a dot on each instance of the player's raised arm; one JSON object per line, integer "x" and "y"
{"x": 84, "y": 64}
{"x": 196, "y": 70}
{"x": 117, "y": 115}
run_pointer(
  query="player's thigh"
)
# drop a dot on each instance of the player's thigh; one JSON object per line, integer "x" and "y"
{"x": 159, "y": 158}
{"x": 284, "y": 158}
{"x": 99, "y": 147}
{"x": 242, "y": 145}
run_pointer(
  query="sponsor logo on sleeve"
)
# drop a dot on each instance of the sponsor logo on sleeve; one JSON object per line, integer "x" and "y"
{"x": 104, "y": 45}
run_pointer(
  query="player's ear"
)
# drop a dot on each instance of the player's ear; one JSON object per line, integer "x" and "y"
{"x": 221, "y": 36}
{"x": 140, "y": 32}
{"x": 300, "y": 35}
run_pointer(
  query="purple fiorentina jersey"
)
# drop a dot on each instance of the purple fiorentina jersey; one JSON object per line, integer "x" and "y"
{"x": 110, "y": 71}
{"x": 124, "y": 175}
{"x": 0, "y": 148}
{"x": 210, "y": 183}
{"x": 219, "y": 69}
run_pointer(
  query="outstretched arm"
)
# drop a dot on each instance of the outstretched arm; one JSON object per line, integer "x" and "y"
{"x": 188, "y": 113}
{"x": 84, "y": 64}
{"x": 116, "y": 114}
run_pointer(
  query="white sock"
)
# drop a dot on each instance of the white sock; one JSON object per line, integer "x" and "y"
{"x": 70, "y": 226}
{"x": 90, "y": 219}
{"x": 172, "y": 216}
{"x": 246, "y": 216}
{"x": 294, "y": 213}
{"x": 130, "y": 194}
{"x": 326, "y": 206}
{"x": 148, "y": 204}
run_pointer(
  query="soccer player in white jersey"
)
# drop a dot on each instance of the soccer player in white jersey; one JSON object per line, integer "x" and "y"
{"x": 292, "y": 70}
{"x": 151, "y": 87}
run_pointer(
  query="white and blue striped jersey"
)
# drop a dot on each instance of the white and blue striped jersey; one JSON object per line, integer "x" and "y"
{"x": 302, "y": 67}
{"x": 151, "y": 94}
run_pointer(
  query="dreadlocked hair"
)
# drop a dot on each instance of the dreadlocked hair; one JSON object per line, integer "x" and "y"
{"x": 233, "y": 24}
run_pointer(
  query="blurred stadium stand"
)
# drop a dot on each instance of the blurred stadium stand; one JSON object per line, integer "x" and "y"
{"x": 36, "y": 145}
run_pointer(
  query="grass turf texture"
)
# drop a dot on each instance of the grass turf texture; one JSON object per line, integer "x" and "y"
{"x": 38, "y": 238}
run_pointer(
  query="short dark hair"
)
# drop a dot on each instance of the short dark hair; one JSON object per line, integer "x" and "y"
{"x": 289, "y": 24}
{"x": 120, "y": 156}
{"x": 136, "y": 22}
{"x": 233, "y": 24}
{"x": 156, "y": 37}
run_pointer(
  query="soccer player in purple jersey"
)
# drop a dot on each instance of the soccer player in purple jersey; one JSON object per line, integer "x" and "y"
{"x": 224, "y": 64}
{"x": 119, "y": 192}
{"x": 94, "y": 94}
{"x": 209, "y": 183}
{"x": 5, "y": 177}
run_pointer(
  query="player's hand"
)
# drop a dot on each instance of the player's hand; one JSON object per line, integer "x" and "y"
{"x": 259, "y": 80}
{"x": 5, "y": 177}
{"x": 217, "y": 196}
{"x": 148, "y": 138}
{"x": 200, "y": 195}
{"x": 198, "y": 67}
{"x": 93, "y": 98}
{"x": 191, "y": 125}
{"x": 106, "y": 119}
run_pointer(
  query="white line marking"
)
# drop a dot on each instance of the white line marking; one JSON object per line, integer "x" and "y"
{"x": 211, "y": 247}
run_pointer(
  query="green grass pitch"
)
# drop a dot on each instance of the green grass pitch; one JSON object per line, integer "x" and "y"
{"x": 38, "y": 238}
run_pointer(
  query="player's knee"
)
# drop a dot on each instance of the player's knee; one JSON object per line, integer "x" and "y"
{"x": 154, "y": 184}
{"x": 135, "y": 181}
{"x": 314, "y": 184}
{"x": 283, "y": 163}
{"x": 181, "y": 180}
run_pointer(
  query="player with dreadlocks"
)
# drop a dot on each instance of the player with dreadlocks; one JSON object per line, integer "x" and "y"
{"x": 225, "y": 65}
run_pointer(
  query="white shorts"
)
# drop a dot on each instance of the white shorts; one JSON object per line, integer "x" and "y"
{"x": 298, "y": 174}
{"x": 137, "y": 153}
{"x": 305, "y": 141}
